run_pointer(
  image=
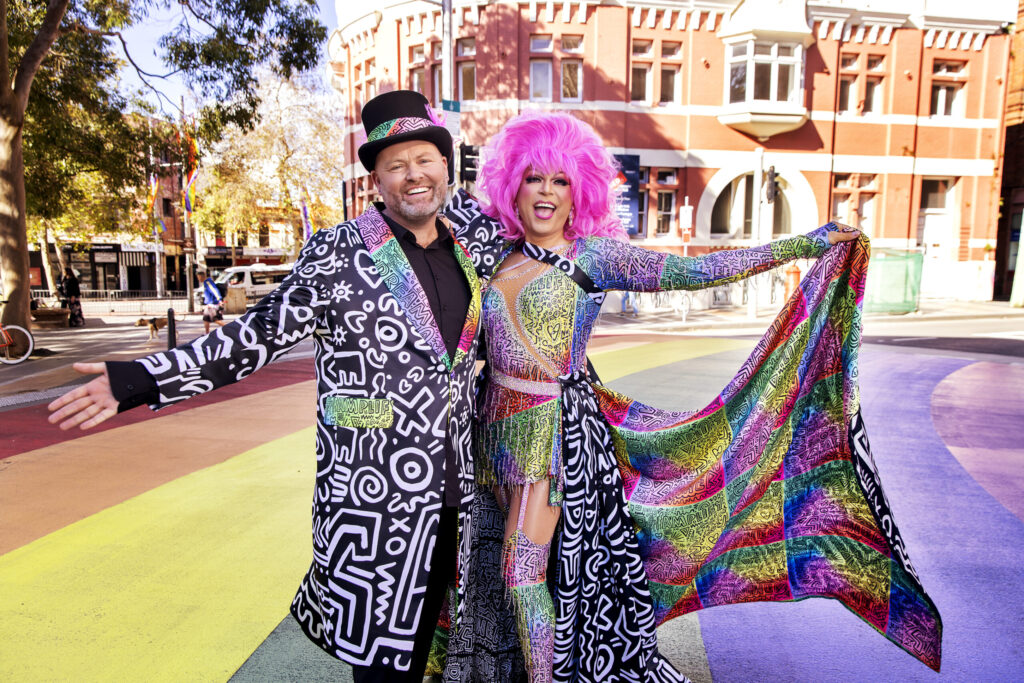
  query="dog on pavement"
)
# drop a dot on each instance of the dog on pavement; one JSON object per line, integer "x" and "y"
{"x": 154, "y": 324}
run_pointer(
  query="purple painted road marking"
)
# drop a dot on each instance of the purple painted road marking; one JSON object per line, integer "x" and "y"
{"x": 978, "y": 411}
{"x": 964, "y": 544}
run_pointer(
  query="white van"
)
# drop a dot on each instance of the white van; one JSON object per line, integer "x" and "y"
{"x": 257, "y": 279}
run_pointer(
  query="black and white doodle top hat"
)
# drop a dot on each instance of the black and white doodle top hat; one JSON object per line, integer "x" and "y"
{"x": 398, "y": 116}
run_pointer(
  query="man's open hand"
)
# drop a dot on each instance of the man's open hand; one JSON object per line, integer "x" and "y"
{"x": 87, "y": 405}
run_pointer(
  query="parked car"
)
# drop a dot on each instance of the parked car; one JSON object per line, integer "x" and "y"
{"x": 257, "y": 279}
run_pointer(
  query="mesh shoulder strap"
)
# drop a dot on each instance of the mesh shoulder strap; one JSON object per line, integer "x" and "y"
{"x": 565, "y": 265}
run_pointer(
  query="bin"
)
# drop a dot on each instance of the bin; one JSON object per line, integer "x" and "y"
{"x": 234, "y": 300}
{"x": 894, "y": 281}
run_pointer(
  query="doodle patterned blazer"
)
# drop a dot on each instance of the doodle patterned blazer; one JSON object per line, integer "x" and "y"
{"x": 387, "y": 395}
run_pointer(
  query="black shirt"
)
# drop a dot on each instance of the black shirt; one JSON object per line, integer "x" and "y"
{"x": 447, "y": 291}
{"x": 442, "y": 281}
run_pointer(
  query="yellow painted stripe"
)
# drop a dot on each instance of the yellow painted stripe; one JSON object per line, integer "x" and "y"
{"x": 180, "y": 583}
{"x": 612, "y": 365}
{"x": 185, "y": 581}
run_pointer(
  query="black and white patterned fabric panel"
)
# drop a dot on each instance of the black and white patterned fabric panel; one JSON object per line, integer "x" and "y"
{"x": 478, "y": 232}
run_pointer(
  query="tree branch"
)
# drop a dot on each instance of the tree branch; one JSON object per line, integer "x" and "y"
{"x": 188, "y": 5}
{"x": 36, "y": 52}
{"x": 143, "y": 74}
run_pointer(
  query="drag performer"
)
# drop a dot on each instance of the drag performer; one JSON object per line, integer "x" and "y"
{"x": 654, "y": 514}
{"x": 392, "y": 302}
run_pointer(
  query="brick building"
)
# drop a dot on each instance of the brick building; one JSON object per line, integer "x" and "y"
{"x": 884, "y": 115}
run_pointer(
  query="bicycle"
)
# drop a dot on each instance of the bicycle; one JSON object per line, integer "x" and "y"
{"x": 16, "y": 343}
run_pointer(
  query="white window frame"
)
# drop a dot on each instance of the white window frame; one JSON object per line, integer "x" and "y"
{"x": 571, "y": 50}
{"x": 540, "y": 63}
{"x": 413, "y": 73}
{"x": 873, "y": 105}
{"x": 421, "y": 51}
{"x": 647, "y": 68}
{"x": 649, "y": 52}
{"x": 955, "y": 107}
{"x": 538, "y": 40}
{"x": 678, "y": 54}
{"x": 849, "y": 80}
{"x": 674, "y": 98}
{"x": 578, "y": 63}
{"x": 436, "y": 77}
{"x": 671, "y": 213}
{"x": 462, "y": 66}
{"x": 465, "y": 47}
{"x": 773, "y": 58}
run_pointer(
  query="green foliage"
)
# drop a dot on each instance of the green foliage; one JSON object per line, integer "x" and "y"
{"x": 89, "y": 148}
{"x": 260, "y": 173}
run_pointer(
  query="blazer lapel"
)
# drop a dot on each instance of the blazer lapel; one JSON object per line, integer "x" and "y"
{"x": 473, "y": 314}
{"x": 397, "y": 273}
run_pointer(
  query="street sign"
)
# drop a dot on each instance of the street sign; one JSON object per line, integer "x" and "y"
{"x": 452, "y": 109}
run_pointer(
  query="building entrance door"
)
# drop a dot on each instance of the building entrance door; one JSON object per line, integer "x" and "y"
{"x": 936, "y": 229}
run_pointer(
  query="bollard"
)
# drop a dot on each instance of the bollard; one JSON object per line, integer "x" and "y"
{"x": 792, "y": 279}
{"x": 171, "y": 333}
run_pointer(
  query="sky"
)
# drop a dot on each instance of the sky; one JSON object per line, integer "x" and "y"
{"x": 142, "y": 45}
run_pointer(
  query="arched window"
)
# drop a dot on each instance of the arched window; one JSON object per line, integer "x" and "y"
{"x": 733, "y": 213}
{"x": 733, "y": 210}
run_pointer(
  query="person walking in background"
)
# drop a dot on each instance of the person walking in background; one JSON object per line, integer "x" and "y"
{"x": 72, "y": 293}
{"x": 213, "y": 303}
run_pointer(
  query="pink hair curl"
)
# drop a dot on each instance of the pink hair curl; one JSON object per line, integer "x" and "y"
{"x": 549, "y": 143}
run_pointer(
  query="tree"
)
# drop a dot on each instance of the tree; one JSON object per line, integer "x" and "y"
{"x": 291, "y": 152}
{"x": 217, "y": 46}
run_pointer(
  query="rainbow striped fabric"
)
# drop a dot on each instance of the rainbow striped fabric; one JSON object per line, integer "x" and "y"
{"x": 770, "y": 492}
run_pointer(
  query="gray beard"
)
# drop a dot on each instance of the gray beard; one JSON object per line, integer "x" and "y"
{"x": 412, "y": 214}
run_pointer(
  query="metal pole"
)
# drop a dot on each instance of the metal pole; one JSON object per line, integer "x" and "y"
{"x": 447, "y": 80}
{"x": 189, "y": 260}
{"x": 755, "y": 229}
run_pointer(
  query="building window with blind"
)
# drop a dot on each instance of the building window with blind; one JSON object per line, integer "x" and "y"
{"x": 947, "y": 99}
{"x": 640, "y": 88}
{"x": 666, "y": 210}
{"x": 467, "y": 81}
{"x": 540, "y": 80}
{"x": 641, "y": 219}
{"x": 872, "y": 95}
{"x": 572, "y": 80}
{"x": 669, "y": 88}
{"x": 572, "y": 44}
{"x": 418, "y": 80}
{"x": 435, "y": 73}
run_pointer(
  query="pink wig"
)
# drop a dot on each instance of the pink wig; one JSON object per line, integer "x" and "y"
{"x": 549, "y": 143}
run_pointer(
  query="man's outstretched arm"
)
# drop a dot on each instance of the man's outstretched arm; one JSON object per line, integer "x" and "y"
{"x": 87, "y": 405}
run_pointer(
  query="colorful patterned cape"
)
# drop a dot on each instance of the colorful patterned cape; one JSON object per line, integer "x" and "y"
{"x": 770, "y": 492}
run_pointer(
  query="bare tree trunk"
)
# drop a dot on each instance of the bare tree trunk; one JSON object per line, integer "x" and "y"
{"x": 13, "y": 237}
{"x": 44, "y": 247}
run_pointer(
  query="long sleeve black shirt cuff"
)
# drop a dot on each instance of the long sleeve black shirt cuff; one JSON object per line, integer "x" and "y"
{"x": 131, "y": 385}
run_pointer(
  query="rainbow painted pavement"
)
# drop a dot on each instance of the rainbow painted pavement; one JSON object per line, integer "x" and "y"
{"x": 167, "y": 547}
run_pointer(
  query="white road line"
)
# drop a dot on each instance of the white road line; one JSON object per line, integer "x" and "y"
{"x": 905, "y": 339}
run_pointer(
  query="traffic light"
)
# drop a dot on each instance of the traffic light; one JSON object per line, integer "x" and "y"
{"x": 469, "y": 159}
{"x": 773, "y": 186}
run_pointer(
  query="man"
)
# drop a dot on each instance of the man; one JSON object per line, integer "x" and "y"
{"x": 393, "y": 304}
{"x": 213, "y": 311}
